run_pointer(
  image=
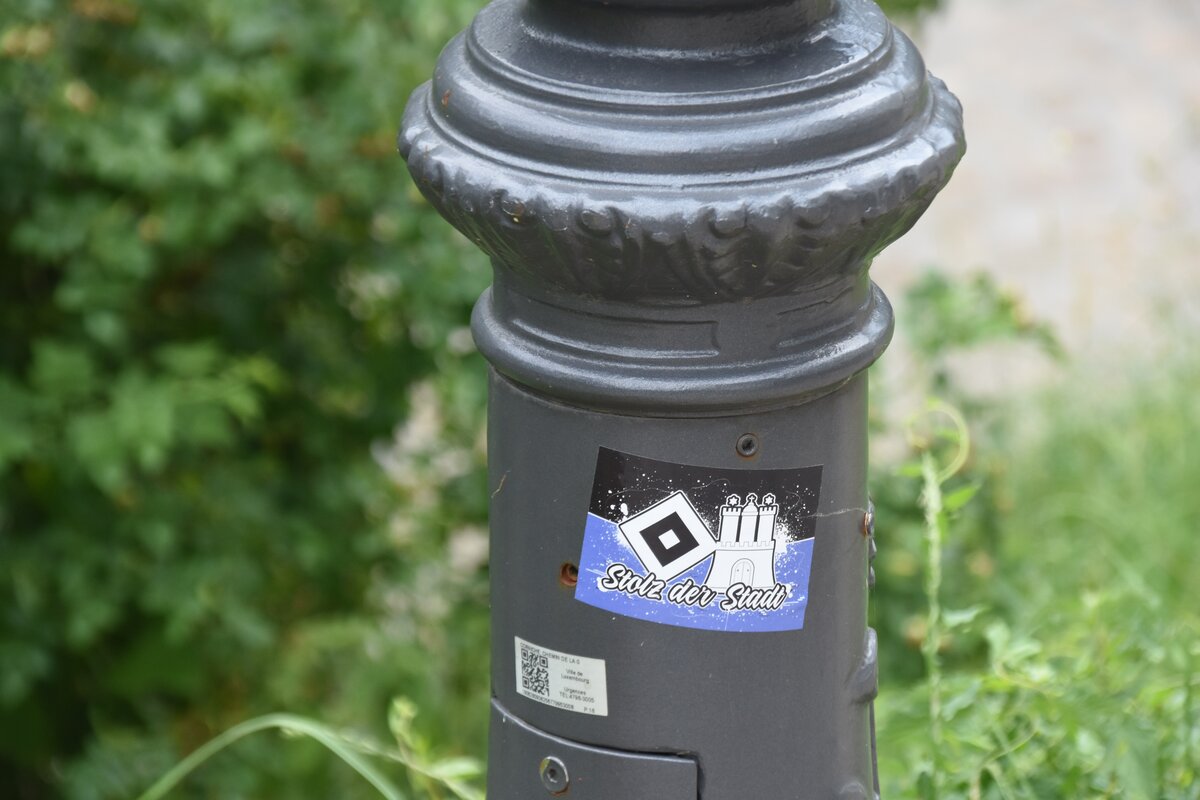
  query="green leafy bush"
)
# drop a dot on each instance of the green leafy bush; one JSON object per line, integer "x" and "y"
{"x": 219, "y": 292}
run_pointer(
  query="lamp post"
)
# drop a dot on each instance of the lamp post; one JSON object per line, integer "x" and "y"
{"x": 681, "y": 200}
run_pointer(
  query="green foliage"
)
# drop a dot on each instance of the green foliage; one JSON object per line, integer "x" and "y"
{"x": 1052, "y": 649}
{"x": 942, "y": 316}
{"x": 219, "y": 292}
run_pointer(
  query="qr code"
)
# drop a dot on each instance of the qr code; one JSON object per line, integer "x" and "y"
{"x": 535, "y": 671}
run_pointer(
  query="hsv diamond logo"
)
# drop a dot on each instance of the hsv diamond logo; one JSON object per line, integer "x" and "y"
{"x": 669, "y": 538}
{"x": 699, "y": 547}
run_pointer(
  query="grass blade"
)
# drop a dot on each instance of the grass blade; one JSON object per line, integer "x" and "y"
{"x": 287, "y": 723}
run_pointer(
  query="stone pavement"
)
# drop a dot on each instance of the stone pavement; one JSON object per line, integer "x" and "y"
{"x": 1080, "y": 189}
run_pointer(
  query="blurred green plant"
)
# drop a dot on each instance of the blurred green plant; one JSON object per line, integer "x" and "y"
{"x": 944, "y": 315}
{"x": 904, "y": 8}
{"x": 937, "y": 506}
{"x": 1052, "y": 647}
{"x": 219, "y": 294}
{"x": 948, "y": 322}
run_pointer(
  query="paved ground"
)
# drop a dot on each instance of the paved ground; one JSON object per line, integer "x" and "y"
{"x": 1081, "y": 186}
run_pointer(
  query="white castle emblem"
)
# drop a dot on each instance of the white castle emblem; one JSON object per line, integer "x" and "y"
{"x": 745, "y": 551}
{"x": 670, "y": 538}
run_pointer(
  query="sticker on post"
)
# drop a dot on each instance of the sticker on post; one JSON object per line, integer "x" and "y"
{"x": 699, "y": 547}
{"x": 573, "y": 683}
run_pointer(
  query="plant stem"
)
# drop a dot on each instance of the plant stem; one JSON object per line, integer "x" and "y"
{"x": 931, "y": 502}
{"x": 1189, "y": 714}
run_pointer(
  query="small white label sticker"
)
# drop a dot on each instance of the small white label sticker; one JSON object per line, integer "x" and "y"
{"x": 561, "y": 680}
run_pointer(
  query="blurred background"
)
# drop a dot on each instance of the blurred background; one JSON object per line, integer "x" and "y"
{"x": 241, "y": 417}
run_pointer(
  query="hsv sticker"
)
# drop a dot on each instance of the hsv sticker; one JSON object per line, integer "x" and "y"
{"x": 561, "y": 680}
{"x": 699, "y": 547}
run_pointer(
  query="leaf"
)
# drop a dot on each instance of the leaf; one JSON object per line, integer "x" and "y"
{"x": 63, "y": 371}
{"x": 957, "y": 618}
{"x": 453, "y": 769}
{"x": 190, "y": 359}
{"x": 401, "y": 713}
{"x": 99, "y": 449}
{"x": 958, "y": 498}
{"x": 16, "y": 434}
{"x": 1136, "y": 764}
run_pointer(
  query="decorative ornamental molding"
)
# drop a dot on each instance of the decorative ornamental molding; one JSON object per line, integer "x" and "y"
{"x": 756, "y": 190}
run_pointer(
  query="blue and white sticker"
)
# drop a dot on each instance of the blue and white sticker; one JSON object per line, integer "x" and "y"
{"x": 699, "y": 547}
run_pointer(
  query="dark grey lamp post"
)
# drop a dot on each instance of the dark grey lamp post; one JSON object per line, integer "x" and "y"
{"x": 681, "y": 199}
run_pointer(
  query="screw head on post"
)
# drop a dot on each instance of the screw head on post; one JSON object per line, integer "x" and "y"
{"x": 554, "y": 775}
{"x": 747, "y": 445}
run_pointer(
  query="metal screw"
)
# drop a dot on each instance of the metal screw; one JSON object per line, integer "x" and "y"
{"x": 747, "y": 445}
{"x": 554, "y": 775}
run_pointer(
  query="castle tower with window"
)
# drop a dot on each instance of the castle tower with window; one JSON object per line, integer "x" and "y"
{"x": 746, "y": 547}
